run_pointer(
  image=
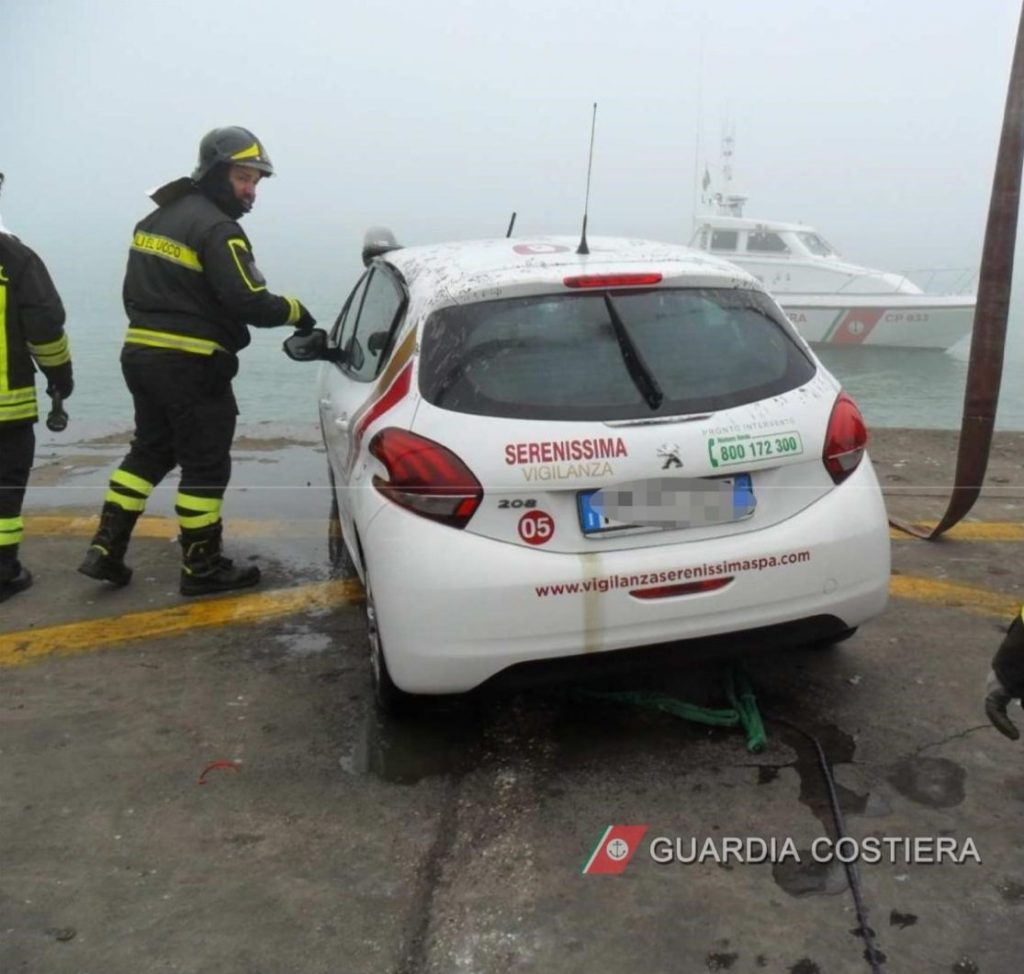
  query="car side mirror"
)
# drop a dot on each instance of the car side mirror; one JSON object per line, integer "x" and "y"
{"x": 377, "y": 341}
{"x": 309, "y": 346}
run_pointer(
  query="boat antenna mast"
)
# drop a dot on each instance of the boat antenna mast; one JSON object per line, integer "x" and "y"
{"x": 729, "y": 203}
{"x": 583, "y": 248}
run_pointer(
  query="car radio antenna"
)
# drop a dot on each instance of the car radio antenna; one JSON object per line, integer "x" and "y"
{"x": 583, "y": 248}
{"x": 511, "y": 224}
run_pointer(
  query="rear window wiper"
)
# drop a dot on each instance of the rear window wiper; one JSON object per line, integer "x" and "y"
{"x": 638, "y": 370}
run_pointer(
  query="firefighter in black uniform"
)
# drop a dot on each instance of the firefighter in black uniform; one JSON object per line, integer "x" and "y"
{"x": 190, "y": 291}
{"x": 31, "y": 330}
{"x": 1006, "y": 681}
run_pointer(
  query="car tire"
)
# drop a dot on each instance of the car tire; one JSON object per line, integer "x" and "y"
{"x": 388, "y": 697}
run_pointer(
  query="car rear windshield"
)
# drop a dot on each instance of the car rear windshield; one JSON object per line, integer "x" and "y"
{"x": 564, "y": 356}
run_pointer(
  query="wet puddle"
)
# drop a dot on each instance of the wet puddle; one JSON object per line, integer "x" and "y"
{"x": 405, "y": 752}
{"x": 809, "y": 877}
{"x": 935, "y": 782}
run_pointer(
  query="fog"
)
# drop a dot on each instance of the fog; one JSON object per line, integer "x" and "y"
{"x": 876, "y": 121}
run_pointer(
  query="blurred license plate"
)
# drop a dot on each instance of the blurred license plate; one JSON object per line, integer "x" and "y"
{"x": 666, "y": 504}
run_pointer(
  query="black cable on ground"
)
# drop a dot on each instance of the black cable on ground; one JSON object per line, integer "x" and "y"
{"x": 745, "y": 713}
{"x": 871, "y": 953}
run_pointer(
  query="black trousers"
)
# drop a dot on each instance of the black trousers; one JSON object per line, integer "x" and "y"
{"x": 17, "y": 449}
{"x": 185, "y": 414}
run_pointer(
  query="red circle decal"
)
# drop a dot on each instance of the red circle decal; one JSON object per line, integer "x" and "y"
{"x": 536, "y": 527}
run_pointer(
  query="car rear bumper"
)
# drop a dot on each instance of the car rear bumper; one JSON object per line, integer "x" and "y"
{"x": 455, "y": 609}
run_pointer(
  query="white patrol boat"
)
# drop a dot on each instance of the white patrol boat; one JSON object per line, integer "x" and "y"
{"x": 828, "y": 299}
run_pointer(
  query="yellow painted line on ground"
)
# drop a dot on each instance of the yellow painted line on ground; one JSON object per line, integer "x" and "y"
{"x": 17, "y": 648}
{"x": 970, "y": 531}
{"x": 979, "y": 601}
{"x": 167, "y": 527}
{"x": 316, "y": 527}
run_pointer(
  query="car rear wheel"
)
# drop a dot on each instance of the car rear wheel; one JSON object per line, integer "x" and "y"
{"x": 388, "y": 697}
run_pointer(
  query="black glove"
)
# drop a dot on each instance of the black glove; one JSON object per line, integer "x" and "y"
{"x": 306, "y": 321}
{"x": 59, "y": 380}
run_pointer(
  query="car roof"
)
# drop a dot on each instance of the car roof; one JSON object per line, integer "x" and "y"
{"x": 470, "y": 266}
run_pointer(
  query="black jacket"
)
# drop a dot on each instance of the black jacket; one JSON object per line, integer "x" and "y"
{"x": 191, "y": 274}
{"x": 31, "y": 329}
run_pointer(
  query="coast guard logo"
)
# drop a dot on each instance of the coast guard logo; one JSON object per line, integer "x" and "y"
{"x": 670, "y": 453}
{"x": 617, "y": 846}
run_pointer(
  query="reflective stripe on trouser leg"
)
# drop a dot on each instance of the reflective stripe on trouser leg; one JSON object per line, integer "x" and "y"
{"x": 197, "y": 512}
{"x": 128, "y": 491}
{"x": 10, "y": 531}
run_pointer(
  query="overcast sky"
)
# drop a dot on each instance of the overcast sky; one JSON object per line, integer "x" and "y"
{"x": 875, "y": 120}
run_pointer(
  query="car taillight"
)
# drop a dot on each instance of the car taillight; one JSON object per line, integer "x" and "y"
{"x": 612, "y": 280}
{"x": 845, "y": 439}
{"x": 425, "y": 477}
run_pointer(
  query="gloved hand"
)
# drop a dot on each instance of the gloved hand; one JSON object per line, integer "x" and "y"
{"x": 306, "y": 321}
{"x": 59, "y": 379}
{"x": 997, "y": 699}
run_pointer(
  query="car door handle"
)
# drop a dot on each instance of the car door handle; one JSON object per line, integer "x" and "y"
{"x": 342, "y": 422}
{"x": 325, "y": 402}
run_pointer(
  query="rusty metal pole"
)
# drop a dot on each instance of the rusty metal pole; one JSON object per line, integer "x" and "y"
{"x": 988, "y": 337}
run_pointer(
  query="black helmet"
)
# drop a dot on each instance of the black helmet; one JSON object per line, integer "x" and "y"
{"x": 232, "y": 145}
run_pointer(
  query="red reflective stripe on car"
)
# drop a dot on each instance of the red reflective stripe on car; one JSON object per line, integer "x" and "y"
{"x": 687, "y": 588}
{"x": 395, "y": 393}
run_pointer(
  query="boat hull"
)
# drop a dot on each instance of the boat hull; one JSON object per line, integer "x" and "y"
{"x": 900, "y": 321}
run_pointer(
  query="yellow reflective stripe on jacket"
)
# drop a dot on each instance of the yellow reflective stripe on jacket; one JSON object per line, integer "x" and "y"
{"x": 10, "y": 530}
{"x": 51, "y": 353}
{"x": 15, "y": 413}
{"x": 167, "y": 249}
{"x": 18, "y": 396}
{"x": 3, "y": 337}
{"x": 294, "y": 310}
{"x": 17, "y": 404}
{"x": 236, "y": 244}
{"x": 166, "y": 339}
{"x": 129, "y": 480}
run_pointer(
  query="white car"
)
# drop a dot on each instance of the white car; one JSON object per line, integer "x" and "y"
{"x": 539, "y": 453}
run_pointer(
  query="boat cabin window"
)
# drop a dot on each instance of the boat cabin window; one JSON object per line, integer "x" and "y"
{"x": 815, "y": 244}
{"x": 766, "y": 242}
{"x": 724, "y": 239}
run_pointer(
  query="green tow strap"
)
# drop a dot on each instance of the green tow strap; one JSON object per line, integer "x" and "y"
{"x": 743, "y": 713}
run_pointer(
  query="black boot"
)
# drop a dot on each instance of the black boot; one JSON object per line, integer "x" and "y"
{"x": 14, "y": 577}
{"x": 204, "y": 569}
{"x": 105, "y": 558}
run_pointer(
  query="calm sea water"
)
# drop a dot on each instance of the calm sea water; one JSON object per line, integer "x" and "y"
{"x": 912, "y": 388}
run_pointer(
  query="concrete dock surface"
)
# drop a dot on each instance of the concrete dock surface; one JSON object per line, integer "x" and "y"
{"x": 205, "y": 786}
